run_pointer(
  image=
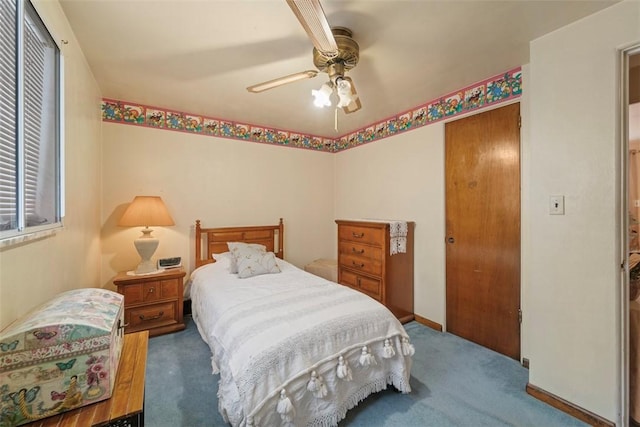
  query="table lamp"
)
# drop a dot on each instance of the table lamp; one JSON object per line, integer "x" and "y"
{"x": 146, "y": 211}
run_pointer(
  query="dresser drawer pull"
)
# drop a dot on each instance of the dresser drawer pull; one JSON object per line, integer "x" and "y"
{"x": 150, "y": 290}
{"x": 355, "y": 264}
{"x": 357, "y": 235}
{"x": 152, "y": 317}
{"x": 355, "y": 251}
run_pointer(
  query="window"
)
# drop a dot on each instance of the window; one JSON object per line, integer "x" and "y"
{"x": 31, "y": 191}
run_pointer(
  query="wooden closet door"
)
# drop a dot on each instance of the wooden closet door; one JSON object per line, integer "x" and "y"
{"x": 482, "y": 168}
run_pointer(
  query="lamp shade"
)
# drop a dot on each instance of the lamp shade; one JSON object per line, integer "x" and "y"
{"x": 146, "y": 211}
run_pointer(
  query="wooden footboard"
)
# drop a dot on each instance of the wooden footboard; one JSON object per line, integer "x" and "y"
{"x": 214, "y": 240}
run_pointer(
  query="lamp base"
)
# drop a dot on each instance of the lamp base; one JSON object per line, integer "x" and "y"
{"x": 146, "y": 246}
{"x": 146, "y": 267}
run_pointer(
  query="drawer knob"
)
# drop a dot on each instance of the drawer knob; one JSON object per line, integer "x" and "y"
{"x": 143, "y": 318}
{"x": 357, "y": 235}
{"x": 355, "y": 264}
{"x": 355, "y": 251}
{"x": 150, "y": 290}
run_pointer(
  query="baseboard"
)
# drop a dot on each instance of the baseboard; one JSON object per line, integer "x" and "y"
{"x": 430, "y": 323}
{"x": 568, "y": 407}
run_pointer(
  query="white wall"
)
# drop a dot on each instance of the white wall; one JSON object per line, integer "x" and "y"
{"x": 573, "y": 297}
{"x": 220, "y": 181}
{"x": 33, "y": 272}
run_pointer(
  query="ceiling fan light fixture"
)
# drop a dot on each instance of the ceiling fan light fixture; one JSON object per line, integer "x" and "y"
{"x": 322, "y": 96}
{"x": 344, "y": 100}
{"x": 345, "y": 95}
{"x": 343, "y": 85}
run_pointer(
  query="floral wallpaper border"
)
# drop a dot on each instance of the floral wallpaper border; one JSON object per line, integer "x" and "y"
{"x": 497, "y": 89}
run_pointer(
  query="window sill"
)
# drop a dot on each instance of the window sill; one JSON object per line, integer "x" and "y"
{"x": 26, "y": 238}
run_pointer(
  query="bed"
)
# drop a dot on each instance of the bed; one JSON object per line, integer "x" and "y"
{"x": 291, "y": 348}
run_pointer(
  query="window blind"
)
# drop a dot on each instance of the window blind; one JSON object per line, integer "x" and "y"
{"x": 34, "y": 76}
{"x": 8, "y": 117}
{"x": 30, "y": 121}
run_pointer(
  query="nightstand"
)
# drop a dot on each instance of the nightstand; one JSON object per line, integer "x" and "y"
{"x": 152, "y": 302}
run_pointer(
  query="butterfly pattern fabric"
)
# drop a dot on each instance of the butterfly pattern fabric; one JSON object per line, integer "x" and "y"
{"x": 58, "y": 395}
{"x": 29, "y": 395}
{"x": 9, "y": 346}
{"x": 62, "y": 355}
{"x": 44, "y": 335}
{"x": 63, "y": 366}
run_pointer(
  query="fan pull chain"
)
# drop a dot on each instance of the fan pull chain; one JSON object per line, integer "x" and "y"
{"x": 335, "y": 121}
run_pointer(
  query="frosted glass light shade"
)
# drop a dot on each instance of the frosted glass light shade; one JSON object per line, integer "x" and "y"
{"x": 322, "y": 96}
{"x": 343, "y": 88}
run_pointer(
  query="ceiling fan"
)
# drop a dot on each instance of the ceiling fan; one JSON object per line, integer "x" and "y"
{"x": 335, "y": 52}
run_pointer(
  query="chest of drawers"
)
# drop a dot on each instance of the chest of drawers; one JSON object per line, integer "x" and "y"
{"x": 153, "y": 302}
{"x": 365, "y": 263}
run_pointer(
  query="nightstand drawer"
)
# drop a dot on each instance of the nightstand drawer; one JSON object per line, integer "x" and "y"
{"x": 151, "y": 315}
{"x": 151, "y": 291}
{"x": 169, "y": 289}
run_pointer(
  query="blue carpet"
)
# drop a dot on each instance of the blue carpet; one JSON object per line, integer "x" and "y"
{"x": 455, "y": 383}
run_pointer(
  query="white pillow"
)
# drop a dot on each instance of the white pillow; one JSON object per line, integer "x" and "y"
{"x": 226, "y": 259}
{"x": 253, "y": 262}
{"x": 235, "y": 246}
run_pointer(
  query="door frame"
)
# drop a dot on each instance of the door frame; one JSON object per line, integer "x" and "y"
{"x": 623, "y": 318}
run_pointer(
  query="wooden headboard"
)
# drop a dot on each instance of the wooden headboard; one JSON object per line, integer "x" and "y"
{"x": 214, "y": 240}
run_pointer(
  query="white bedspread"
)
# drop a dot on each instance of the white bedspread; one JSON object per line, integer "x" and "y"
{"x": 269, "y": 333}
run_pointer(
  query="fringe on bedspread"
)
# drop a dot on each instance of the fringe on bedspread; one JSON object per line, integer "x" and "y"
{"x": 286, "y": 408}
{"x": 331, "y": 420}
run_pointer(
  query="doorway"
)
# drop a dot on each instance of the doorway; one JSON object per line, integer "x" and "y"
{"x": 482, "y": 184}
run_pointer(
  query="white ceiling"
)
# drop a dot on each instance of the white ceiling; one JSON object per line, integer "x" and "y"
{"x": 199, "y": 56}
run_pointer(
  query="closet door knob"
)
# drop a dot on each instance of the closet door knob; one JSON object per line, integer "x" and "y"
{"x": 450, "y": 240}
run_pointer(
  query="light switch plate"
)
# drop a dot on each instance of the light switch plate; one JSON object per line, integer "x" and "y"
{"x": 556, "y": 205}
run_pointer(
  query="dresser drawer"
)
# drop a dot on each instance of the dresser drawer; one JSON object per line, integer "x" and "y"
{"x": 367, "y": 235}
{"x": 151, "y": 291}
{"x": 366, "y": 265}
{"x": 151, "y": 315}
{"x": 367, "y": 285}
{"x": 358, "y": 249}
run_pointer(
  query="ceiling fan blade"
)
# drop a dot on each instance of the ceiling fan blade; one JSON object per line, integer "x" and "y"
{"x": 261, "y": 87}
{"x": 355, "y": 104}
{"x": 312, "y": 17}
